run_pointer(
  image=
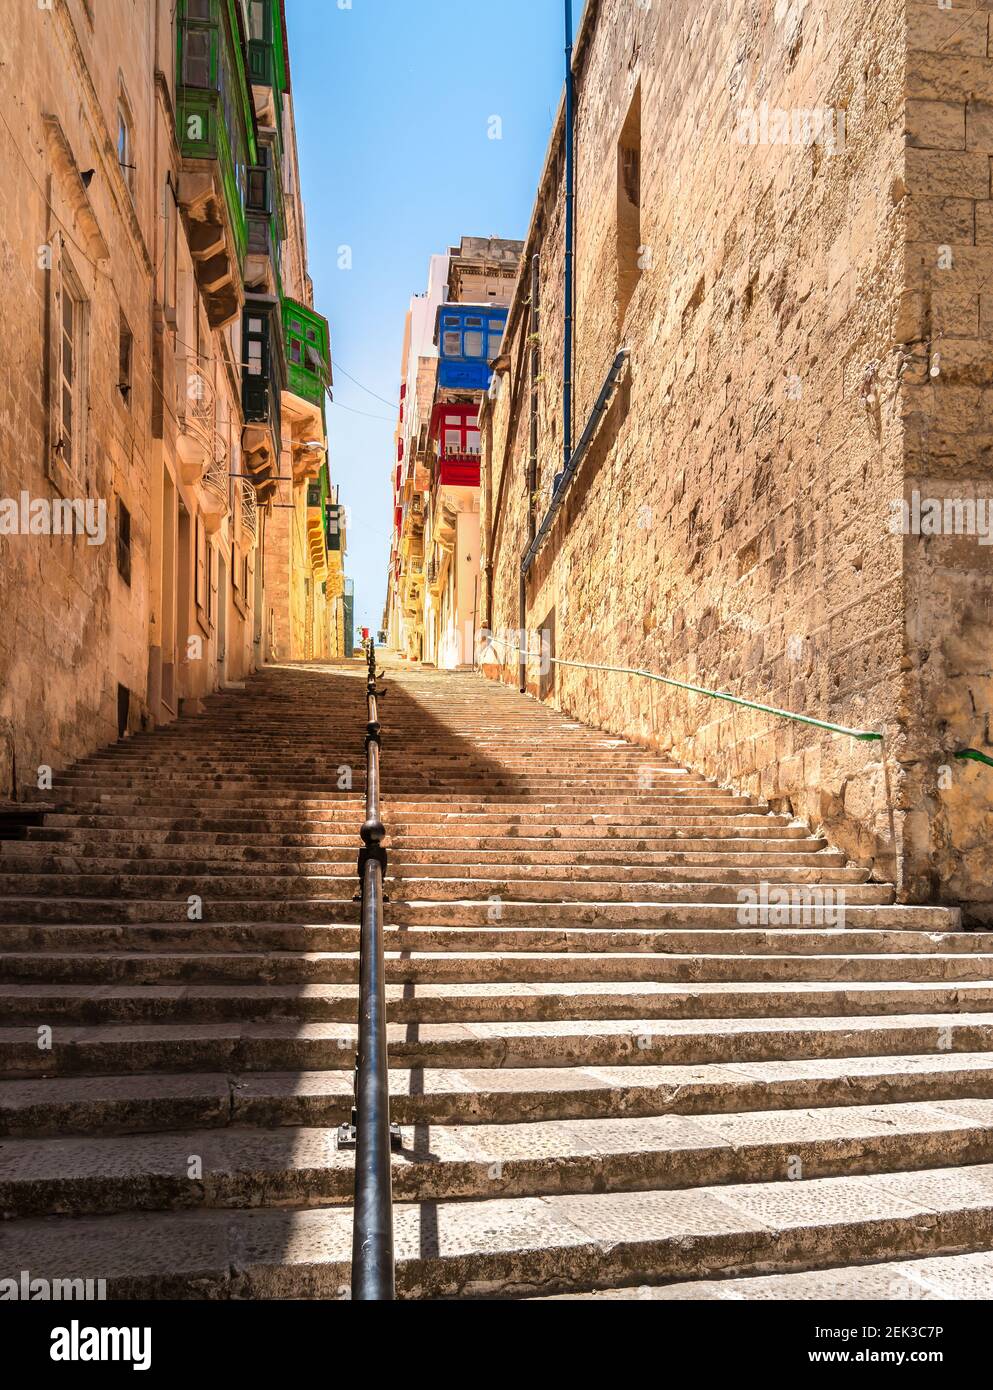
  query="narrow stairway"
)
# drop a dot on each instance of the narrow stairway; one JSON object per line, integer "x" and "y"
{"x": 611, "y": 1083}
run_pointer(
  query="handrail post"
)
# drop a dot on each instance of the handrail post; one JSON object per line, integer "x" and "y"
{"x": 370, "y": 1132}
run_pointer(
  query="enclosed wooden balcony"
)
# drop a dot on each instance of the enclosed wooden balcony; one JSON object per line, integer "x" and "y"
{"x": 267, "y": 65}
{"x": 317, "y": 500}
{"x": 455, "y": 431}
{"x": 216, "y": 135}
{"x": 263, "y": 377}
{"x": 468, "y": 337}
{"x": 266, "y": 223}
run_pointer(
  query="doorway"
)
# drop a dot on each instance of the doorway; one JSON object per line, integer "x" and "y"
{"x": 222, "y": 620}
{"x": 184, "y": 599}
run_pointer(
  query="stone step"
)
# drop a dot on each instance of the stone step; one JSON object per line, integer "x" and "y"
{"x": 450, "y": 799}
{"x": 307, "y": 1046}
{"x": 671, "y": 833}
{"x": 509, "y": 913}
{"x": 513, "y": 1246}
{"x": 476, "y": 1002}
{"x": 17, "y": 856}
{"x": 945, "y": 1277}
{"x": 186, "y": 937}
{"x": 286, "y": 967}
{"x": 150, "y": 1102}
{"x": 610, "y": 1050}
{"x": 564, "y": 845}
{"x": 249, "y": 1168}
{"x": 827, "y": 891}
{"x": 238, "y": 775}
{"x": 69, "y": 854}
{"x": 674, "y": 905}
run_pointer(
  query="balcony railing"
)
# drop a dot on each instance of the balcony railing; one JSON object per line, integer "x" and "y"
{"x": 196, "y": 404}
{"x": 249, "y": 509}
{"x": 215, "y": 479}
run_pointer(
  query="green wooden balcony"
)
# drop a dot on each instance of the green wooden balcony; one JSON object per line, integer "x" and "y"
{"x": 268, "y": 71}
{"x": 308, "y": 352}
{"x": 216, "y": 136}
{"x": 266, "y": 215}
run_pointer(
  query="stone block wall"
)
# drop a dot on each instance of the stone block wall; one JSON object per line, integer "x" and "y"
{"x": 947, "y": 408}
{"x": 71, "y": 629}
{"x": 732, "y": 523}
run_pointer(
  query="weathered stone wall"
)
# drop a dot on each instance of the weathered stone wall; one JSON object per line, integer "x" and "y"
{"x": 948, "y": 408}
{"x": 731, "y": 524}
{"x": 71, "y": 629}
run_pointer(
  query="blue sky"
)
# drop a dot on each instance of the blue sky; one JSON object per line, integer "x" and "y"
{"x": 393, "y": 100}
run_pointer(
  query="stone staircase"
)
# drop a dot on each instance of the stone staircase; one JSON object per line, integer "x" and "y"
{"x": 611, "y": 1083}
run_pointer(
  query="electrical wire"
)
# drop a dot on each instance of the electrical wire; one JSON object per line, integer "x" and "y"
{"x": 364, "y": 413}
{"x": 337, "y": 367}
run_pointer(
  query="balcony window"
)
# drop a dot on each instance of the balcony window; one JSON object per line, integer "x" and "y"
{"x": 266, "y": 59}
{"x": 473, "y": 338}
{"x": 458, "y": 434}
{"x": 262, "y": 366}
{"x": 258, "y": 236}
{"x": 196, "y": 58}
{"x": 257, "y": 192}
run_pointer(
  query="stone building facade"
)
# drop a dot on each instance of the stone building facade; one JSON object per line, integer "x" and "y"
{"x": 450, "y": 335}
{"x": 784, "y": 216}
{"x": 152, "y": 215}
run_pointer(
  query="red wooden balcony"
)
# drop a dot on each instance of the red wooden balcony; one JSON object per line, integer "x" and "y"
{"x": 455, "y": 431}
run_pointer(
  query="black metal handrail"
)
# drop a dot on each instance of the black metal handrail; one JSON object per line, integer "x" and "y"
{"x": 370, "y": 1132}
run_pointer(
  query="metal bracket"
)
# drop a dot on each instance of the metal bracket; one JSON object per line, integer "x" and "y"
{"x": 348, "y": 1137}
{"x": 374, "y": 853}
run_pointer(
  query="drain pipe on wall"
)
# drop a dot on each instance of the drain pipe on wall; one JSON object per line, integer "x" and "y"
{"x": 570, "y": 234}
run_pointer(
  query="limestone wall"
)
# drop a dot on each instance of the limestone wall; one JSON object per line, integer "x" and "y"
{"x": 71, "y": 628}
{"x": 947, "y": 404}
{"x": 731, "y": 524}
